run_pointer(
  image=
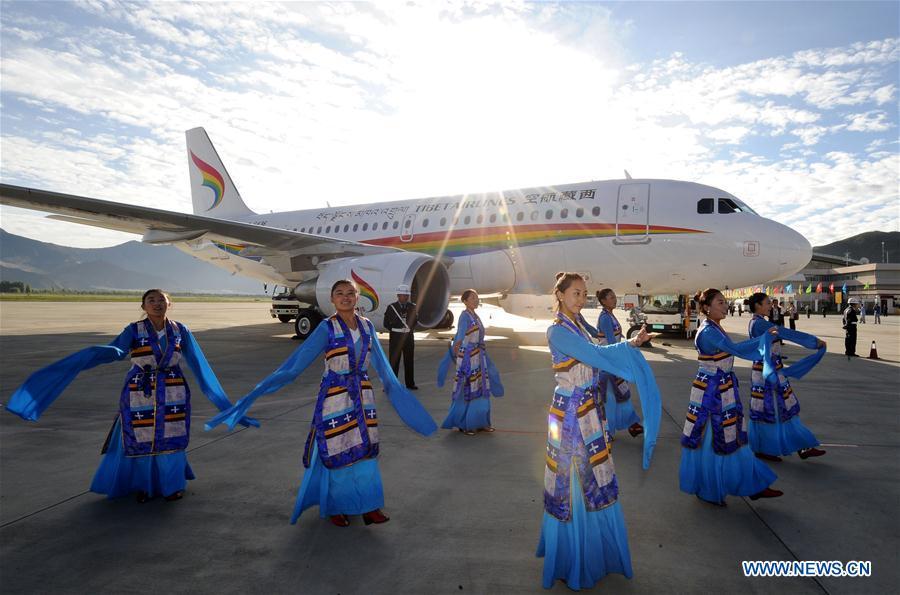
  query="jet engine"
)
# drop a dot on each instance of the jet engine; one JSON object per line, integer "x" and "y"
{"x": 377, "y": 278}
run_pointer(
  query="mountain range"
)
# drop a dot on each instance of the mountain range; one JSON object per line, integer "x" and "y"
{"x": 866, "y": 245}
{"x": 129, "y": 266}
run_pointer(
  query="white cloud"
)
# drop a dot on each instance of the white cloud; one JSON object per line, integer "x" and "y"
{"x": 313, "y": 102}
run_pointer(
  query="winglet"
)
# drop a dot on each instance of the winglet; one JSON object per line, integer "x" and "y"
{"x": 212, "y": 191}
{"x": 627, "y": 175}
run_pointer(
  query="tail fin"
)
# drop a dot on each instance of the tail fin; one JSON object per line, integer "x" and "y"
{"x": 212, "y": 191}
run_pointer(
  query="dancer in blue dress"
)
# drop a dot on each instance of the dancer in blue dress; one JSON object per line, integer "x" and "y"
{"x": 144, "y": 452}
{"x": 715, "y": 459}
{"x": 614, "y": 391}
{"x": 342, "y": 476}
{"x": 476, "y": 376}
{"x": 775, "y": 426}
{"x": 583, "y": 536}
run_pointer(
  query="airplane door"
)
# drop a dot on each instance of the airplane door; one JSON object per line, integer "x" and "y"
{"x": 406, "y": 227}
{"x": 633, "y": 214}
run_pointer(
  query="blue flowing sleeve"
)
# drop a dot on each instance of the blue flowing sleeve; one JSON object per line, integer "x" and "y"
{"x": 44, "y": 386}
{"x": 207, "y": 379}
{"x": 497, "y": 389}
{"x": 624, "y": 361}
{"x": 286, "y": 373}
{"x": 405, "y": 404}
{"x": 756, "y": 348}
{"x": 800, "y": 368}
{"x": 606, "y": 327}
{"x": 462, "y": 325}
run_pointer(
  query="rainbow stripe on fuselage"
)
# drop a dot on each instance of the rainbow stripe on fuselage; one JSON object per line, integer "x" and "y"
{"x": 466, "y": 242}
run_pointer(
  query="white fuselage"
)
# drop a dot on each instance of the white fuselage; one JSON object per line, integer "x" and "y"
{"x": 640, "y": 236}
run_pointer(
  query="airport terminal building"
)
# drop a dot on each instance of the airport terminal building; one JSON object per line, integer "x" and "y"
{"x": 871, "y": 282}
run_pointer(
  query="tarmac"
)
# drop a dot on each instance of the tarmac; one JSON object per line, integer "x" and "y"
{"x": 465, "y": 511}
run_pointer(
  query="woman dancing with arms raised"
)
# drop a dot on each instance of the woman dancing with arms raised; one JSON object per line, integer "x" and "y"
{"x": 144, "y": 453}
{"x": 342, "y": 476}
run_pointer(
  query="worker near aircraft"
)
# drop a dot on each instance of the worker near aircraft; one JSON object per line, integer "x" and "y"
{"x": 400, "y": 320}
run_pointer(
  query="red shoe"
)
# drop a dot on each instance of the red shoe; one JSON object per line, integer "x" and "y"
{"x": 635, "y": 430}
{"x": 805, "y": 453}
{"x": 375, "y": 516}
{"x": 764, "y": 456}
{"x": 340, "y": 520}
{"x": 767, "y": 493}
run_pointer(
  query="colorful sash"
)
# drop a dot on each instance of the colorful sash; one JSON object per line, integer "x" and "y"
{"x": 621, "y": 389}
{"x": 155, "y": 404}
{"x": 715, "y": 400}
{"x": 345, "y": 422}
{"x": 766, "y": 395}
{"x": 577, "y": 435}
{"x": 472, "y": 378}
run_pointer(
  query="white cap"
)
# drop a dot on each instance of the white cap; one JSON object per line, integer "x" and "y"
{"x": 403, "y": 289}
{"x": 854, "y": 300}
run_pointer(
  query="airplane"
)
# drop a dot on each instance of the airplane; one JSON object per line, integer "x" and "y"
{"x": 645, "y": 236}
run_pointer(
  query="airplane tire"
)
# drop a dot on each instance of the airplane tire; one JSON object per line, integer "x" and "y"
{"x": 447, "y": 321}
{"x": 305, "y": 324}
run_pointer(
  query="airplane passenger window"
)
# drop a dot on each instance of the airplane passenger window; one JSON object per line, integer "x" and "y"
{"x": 346, "y": 228}
{"x": 319, "y": 230}
{"x": 564, "y": 213}
{"x": 407, "y": 223}
{"x": 385, "y": 225}
{"x": 443, "y": 221}
{"x": 396, "y": 224}
{"x": 355, "y": 226}
{"x": 505, "y": 217}
{"x": 467, "y": 220}
{"x": 595, "y": 211}
{"x": 328, "y": 229}
{"x": 425, "y": 223}
{"x": 579, "y": 212}
{"x": 493, "y": 217}
{"x": 520, "y": 215}
{"x": 479, "y": 219}
{"x": 728, "y": 206}
{"x": 549, "y": 214}
{"x": 365, "y": 226}
{"x": 534, "y": 215}
{"x": 706, "y": 205}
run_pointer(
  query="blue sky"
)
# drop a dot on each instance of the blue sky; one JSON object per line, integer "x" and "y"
{"x": 792, "y": 106}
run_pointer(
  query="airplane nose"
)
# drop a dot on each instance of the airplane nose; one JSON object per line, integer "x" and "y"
{"x": 795, "y": 251}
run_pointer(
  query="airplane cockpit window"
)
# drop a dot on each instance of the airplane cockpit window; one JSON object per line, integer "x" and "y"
{"x": 744, "y": 207}
{"x": 706, "y": 205}
{"x": 726, "y": 205}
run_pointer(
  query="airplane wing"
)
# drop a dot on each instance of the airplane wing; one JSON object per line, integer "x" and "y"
{"x": 161, "y": 227}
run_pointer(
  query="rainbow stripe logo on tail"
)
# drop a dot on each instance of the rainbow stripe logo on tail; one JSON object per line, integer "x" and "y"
{"x": 366, "y": 290}
{"x": 212, "y": 179}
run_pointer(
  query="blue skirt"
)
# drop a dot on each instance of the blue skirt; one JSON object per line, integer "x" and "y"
{"x": 354, "y": 489}
{"x": 587, "y": 547}
{"x": 156, "y": 475}
{"x": 712, "y": 476}
{"x": 468, "y": 415}
{"x": 620, "y": 416}
{"x": 780, "y": 438}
